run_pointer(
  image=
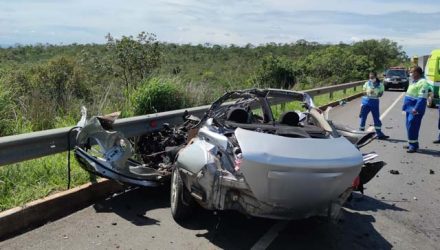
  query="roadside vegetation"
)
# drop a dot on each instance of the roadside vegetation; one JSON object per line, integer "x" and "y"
{"x": 43, "y": 86}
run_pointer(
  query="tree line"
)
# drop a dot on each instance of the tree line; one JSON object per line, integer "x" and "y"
{"x": 42, "y": 86}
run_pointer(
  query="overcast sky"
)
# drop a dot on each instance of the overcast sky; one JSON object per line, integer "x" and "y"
{"x": 413, "y": 24}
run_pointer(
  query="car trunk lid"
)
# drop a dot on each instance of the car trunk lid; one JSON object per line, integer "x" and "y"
{"x": 297, "y": 172}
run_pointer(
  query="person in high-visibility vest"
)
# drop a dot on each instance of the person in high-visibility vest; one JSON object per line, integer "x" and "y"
{"x": 414, "y": 105}
{"x": 370, "y": 103}
{"x": 438, "y": 138}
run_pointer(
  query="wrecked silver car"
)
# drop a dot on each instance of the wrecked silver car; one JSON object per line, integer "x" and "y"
{"x": 241, "y": 155}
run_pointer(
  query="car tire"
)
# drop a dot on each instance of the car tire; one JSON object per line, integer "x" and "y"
{"x": 386, "y": 88}
{"x": 430, "y": 102}
{"x": 181, "y": 201}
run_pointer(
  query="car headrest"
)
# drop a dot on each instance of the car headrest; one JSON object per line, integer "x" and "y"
{"x": 238, "y": 115}
{"x": 290, "y": 118}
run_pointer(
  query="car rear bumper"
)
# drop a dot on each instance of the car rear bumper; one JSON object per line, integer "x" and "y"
{"x": 325, "y": 208}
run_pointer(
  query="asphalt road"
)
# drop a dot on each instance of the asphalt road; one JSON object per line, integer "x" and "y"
{"x": 398, "y": 211}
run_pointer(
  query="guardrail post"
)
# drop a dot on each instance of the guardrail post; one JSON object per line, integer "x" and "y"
{"x": 344, "y": 91}
{"x": 331, "y": 95}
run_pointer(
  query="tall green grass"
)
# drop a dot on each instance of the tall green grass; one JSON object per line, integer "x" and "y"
{"x": 33, "y": 179}
{"x": 321, "y": 100}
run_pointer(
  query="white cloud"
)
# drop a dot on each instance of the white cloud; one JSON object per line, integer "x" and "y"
{"x": 420, "y": 44}
{"x": 426, "y": 38}
{"x": 224, "y": 22}
{"x": 355, "y": 6}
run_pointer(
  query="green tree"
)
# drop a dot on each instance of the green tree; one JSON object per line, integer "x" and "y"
{"x": 135, "y": 59}
{"x": 60, "y": 80}
{"x": 381, "y": 53}
{"x": 334, "y": 65}
{"x": 47, "y": 83}
{"x": 275, "y": 72}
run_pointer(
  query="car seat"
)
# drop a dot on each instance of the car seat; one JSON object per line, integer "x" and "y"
{"x": 290, "y": 118}
{"x": 238, "y": 115}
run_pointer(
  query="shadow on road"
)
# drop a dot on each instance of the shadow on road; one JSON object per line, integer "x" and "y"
{"x": 367, "y": 203}
{"x": 133, "y": 204}
{"x": 431, "y": 152}
{"x": 232, "y": 230}
{"x": 229, "y": 229}
{"x": 354, "y": 230}
{"x": 392, "y": 140}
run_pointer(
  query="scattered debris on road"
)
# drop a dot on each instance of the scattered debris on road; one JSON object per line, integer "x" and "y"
{"x": 431, "y": 171}
{"x": 415, "y": 198}
{"x": 392, "y": 171}
{"x": 114, "y": 223}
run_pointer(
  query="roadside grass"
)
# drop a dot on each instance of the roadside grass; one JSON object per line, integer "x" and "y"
{"x": 337, "y": 95}
{"x": 30, "y": 180}
{"x": 319, "y": 100}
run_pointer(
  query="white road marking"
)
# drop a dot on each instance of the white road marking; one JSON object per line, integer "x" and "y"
{"x": 371, "y": 128}
{"x": 270, "y": 235}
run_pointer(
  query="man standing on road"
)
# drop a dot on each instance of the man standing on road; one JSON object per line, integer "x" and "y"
{"x": 414, "y": 105}
{"x": 438, "y": 138}
{"x": 370, "y": 102}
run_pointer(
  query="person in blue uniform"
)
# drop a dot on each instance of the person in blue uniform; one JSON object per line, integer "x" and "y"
{"x": 370, "y": 103}
{"x": 438, "y": 138}
{"x": 414, "y": 105}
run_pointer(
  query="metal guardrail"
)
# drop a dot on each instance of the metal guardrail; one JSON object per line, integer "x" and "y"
{"x": 331, "y": 89}
{"x": 28, "y": 146}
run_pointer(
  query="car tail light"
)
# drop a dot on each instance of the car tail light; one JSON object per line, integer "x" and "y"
{"x": 356, "y": 182}
{"x": 237, "y": 162}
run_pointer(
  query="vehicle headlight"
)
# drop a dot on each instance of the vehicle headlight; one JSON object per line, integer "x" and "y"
{"x": 388, "y": 79}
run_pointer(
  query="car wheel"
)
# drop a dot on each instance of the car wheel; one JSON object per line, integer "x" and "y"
{"x": 386, "y": 88}
{"x": 430, "y": 102}
{"x": 181, "y": 201}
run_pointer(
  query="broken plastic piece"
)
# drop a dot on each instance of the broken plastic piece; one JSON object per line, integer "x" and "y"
{"x": 392, "y": 171}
